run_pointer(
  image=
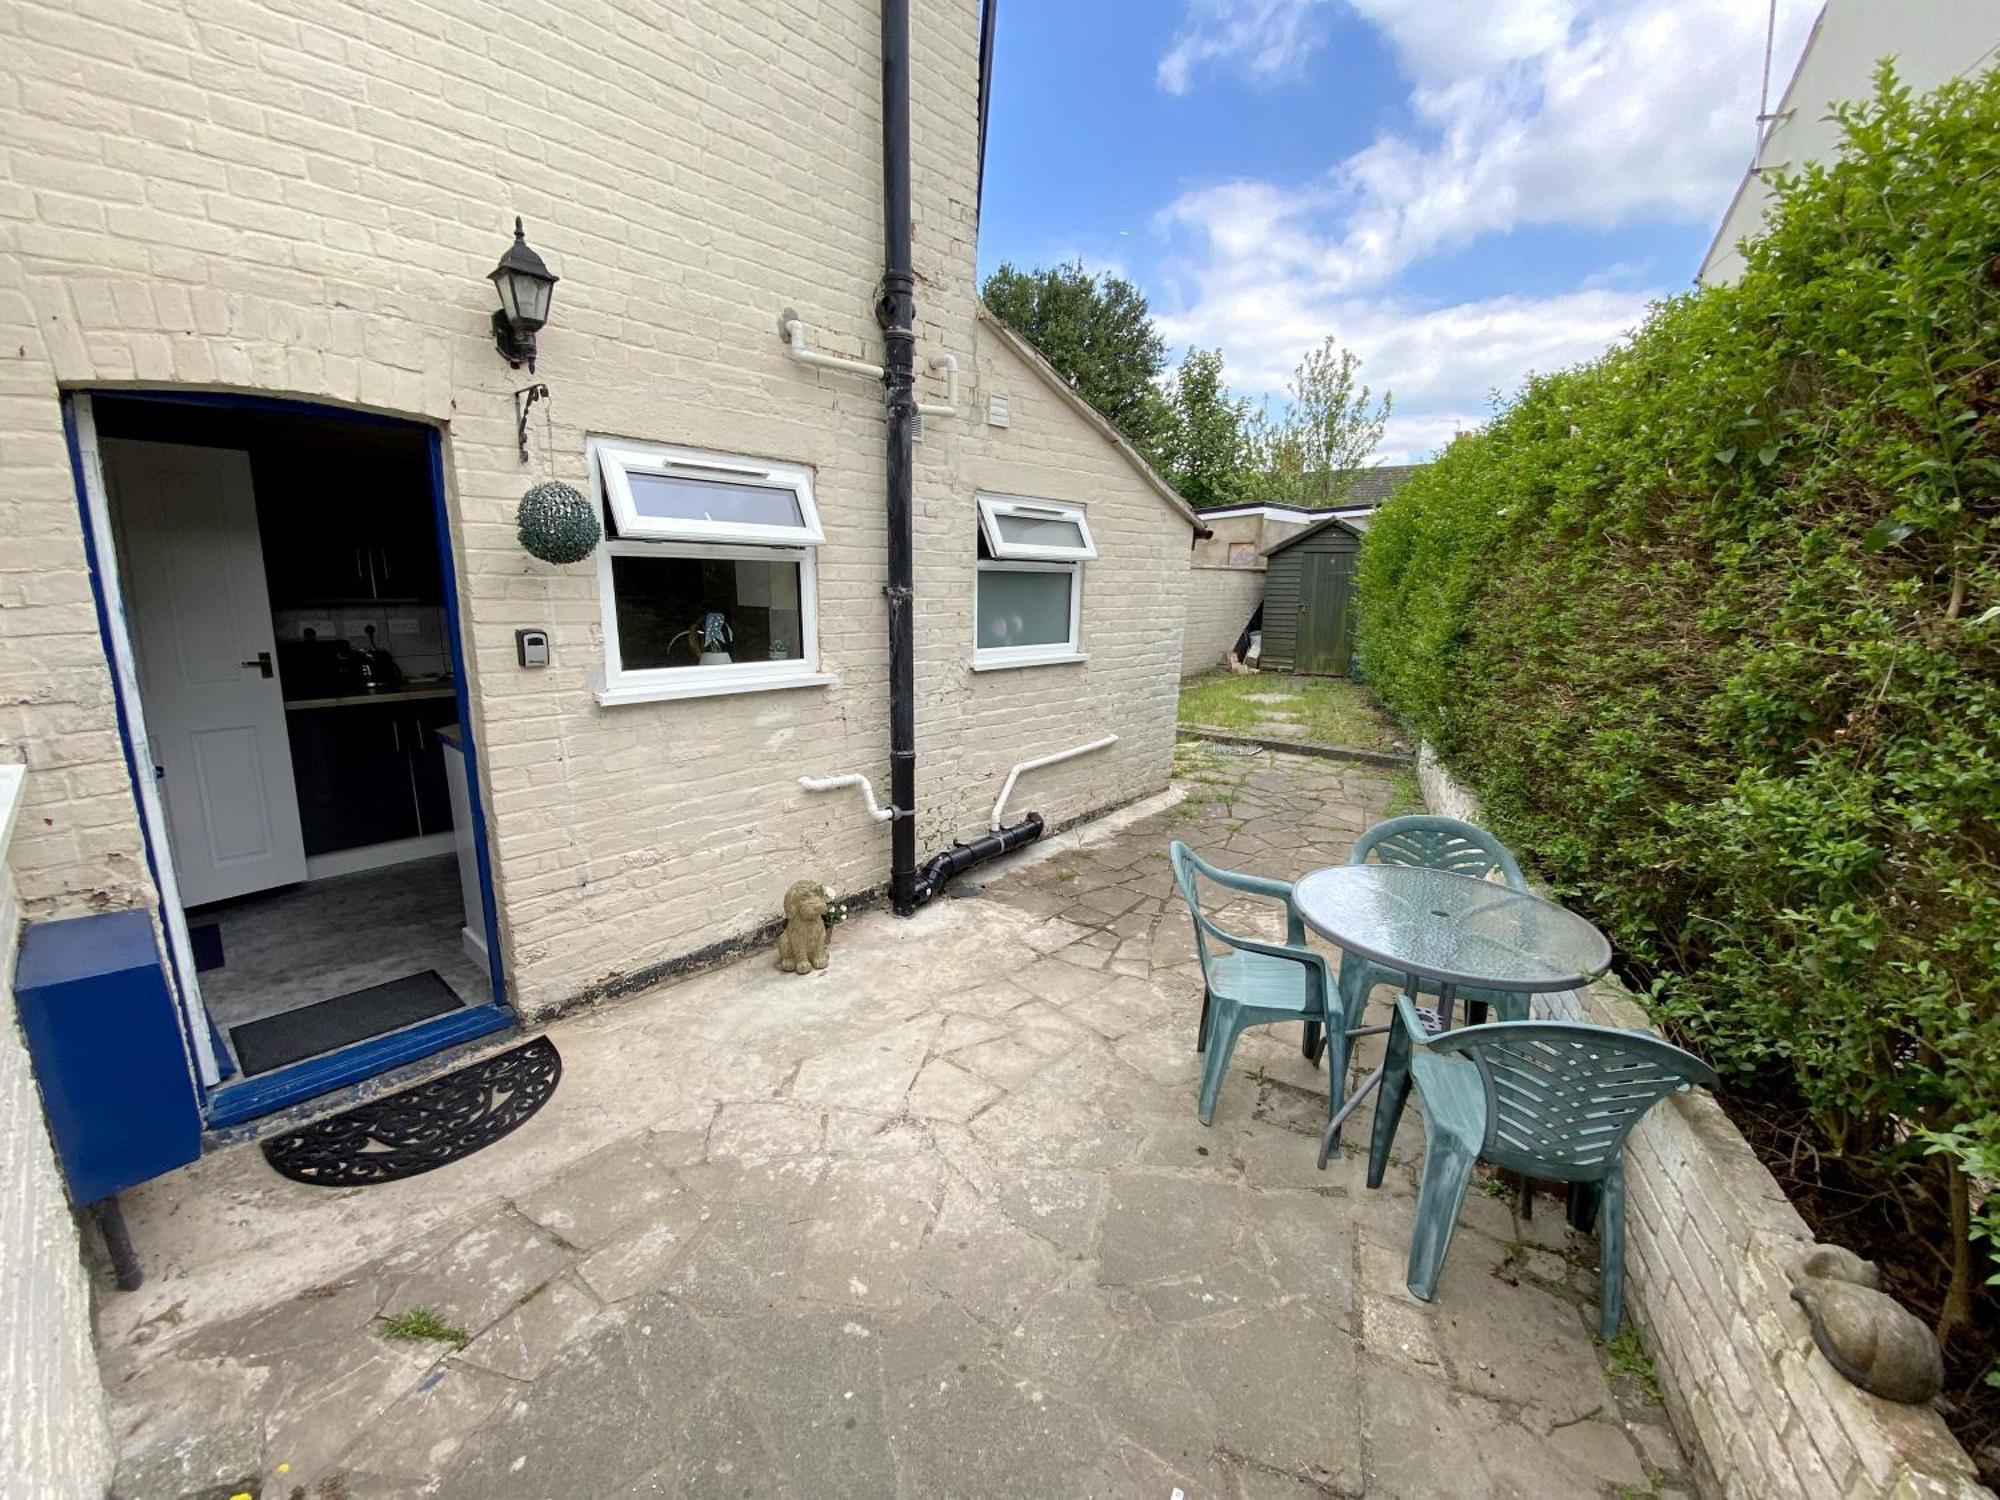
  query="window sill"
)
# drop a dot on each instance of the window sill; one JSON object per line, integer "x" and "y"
{"x": 614, "y": 695}
{"x": 1068, "y": 658}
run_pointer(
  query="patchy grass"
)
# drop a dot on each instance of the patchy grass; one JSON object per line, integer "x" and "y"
{"x": 417, "y": 1324}
{"x": 1406, "y": 794}
{"x": 1626, "y": 1356}
{"x": 1325, "y": 710}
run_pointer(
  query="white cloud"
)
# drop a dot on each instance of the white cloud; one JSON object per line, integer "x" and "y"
{"x": 1586, "y": 112}
{"x": 1442, "y": 362}
{"x": 1265, "y": 38}
{"x": 1592, "y": 113}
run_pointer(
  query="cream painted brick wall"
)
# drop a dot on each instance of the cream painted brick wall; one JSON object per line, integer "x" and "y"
{"x": 53, "y": 1439}
{"x": 305, "y": 198}
{"x": 1220, "y": 602}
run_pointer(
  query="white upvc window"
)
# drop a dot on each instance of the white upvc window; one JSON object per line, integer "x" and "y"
{"x": 707, "y": 574}
{"x": 1018, "y": 530}
{"x": 1028, "y": 595}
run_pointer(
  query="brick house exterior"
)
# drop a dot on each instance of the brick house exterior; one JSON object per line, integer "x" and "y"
{"x": 304, "y": 202}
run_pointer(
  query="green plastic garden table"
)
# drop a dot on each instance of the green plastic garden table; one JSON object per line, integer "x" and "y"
{"x": 1450, "y": 929}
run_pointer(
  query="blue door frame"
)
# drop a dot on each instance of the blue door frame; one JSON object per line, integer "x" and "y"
{"x": 232, "y": 1103}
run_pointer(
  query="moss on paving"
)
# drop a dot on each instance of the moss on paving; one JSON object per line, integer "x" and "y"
{"x": 1325, "y": 710}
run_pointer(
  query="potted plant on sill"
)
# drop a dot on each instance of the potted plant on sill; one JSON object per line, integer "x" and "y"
{"x": 709, "y": 638}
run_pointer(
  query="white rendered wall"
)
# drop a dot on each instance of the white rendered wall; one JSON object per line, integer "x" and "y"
{"x": 54, "y": 1444}
{"x": 1931, "y": 41}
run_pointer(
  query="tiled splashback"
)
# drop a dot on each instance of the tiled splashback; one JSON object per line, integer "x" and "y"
{"x": 412, "y": 633}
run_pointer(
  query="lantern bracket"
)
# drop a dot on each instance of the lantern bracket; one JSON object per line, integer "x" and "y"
{"x": 524, "y": 402}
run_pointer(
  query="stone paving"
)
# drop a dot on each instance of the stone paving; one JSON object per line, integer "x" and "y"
{"x": 939, "y": 1222}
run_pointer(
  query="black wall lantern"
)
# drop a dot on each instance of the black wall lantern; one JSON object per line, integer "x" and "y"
{"x": 526, "y": 288}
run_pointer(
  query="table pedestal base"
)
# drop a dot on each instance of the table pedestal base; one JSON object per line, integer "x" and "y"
{"x": 1447, "y": 997}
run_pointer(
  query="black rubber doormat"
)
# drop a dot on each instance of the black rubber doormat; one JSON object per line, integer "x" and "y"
{"x": 422, "y": 1128}
{"x": 294, "y": 1035}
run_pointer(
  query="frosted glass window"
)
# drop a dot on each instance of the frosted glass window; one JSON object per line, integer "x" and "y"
{"x": 1024, "y": 608}
{"x": 1040, "y": 531}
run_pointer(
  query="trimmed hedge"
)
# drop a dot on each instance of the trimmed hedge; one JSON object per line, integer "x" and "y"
{"x": 1713, "y": 626}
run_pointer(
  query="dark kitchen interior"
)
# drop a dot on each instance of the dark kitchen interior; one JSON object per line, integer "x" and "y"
{"x": 348, "y": 534}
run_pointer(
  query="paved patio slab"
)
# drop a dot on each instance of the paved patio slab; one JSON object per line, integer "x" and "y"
{"x": 938, "y": 1222}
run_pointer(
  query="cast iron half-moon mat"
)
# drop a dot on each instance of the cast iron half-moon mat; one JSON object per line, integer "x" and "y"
{"x": 431, "y": 1125}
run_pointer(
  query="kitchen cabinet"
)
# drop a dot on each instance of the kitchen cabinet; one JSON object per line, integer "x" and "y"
{"x": 427, "y": 774}
{"x": 369, "y": 773}
{"x": 343, "y": 537}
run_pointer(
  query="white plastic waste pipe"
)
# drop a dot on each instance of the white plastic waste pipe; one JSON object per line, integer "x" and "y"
{"x": 948, "y": 363}
{"x": 793, "y": 331}
{"x": 795, "y": 345}
{"x": 834, "y": 783}
{"x": 1007, "y": 790}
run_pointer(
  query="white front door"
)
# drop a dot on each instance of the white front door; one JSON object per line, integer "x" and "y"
{"x": 200, "y": 618}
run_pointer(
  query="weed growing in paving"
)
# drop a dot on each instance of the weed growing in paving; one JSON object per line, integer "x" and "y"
{"x": 416, "y": 1324}
{"x": 1625, "y": 1356}
{"x": 1406, "y": 794}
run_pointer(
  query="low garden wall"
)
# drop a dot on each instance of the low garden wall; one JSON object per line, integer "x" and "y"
{"x": 1711, "y": 1238}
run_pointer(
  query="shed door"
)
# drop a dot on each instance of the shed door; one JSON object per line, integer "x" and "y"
{"x": 1325, "y": 585}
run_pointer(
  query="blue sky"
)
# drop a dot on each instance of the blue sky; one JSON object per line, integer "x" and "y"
{"x": 1460, "y": 190}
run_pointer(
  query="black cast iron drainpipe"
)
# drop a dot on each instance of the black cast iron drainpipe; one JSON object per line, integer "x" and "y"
{"x": 896, "y": 311}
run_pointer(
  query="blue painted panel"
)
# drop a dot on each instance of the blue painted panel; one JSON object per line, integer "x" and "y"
{"x": 238, "y": 1102}
{"x": 468, "y": 742}
{"x": 105, "y": 1037}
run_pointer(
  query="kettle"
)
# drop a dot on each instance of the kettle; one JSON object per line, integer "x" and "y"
{"x": 374, "y": 666}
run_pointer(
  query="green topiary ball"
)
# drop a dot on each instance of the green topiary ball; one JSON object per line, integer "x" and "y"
{"x": 557, "y": 523}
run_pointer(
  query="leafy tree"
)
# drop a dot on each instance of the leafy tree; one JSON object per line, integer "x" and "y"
{"x": 1098, "y": 333}
{"x": 1207, "y": 445}
{"x": 1312, "y": 454}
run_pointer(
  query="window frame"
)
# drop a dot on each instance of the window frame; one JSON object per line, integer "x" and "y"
{"x": 713, "y": 540}
{"x": 992, "y": 507}
{"x": 614, "y": 462}
{"x": 1052, "y": 653}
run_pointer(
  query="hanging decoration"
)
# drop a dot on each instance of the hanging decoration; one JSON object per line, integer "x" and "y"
{"x": 557, "y": 523}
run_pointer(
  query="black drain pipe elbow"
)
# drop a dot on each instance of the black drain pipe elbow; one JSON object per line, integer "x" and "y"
{"x": 897, "y": 312}
{"x": 963, "y": 855}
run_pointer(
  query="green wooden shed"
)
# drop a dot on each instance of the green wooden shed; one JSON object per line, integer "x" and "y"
{"x": 1309, "y": 600}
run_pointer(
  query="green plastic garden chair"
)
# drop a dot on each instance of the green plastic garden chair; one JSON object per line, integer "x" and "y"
{"x": 1258, "y": 983}
{"x": 1549, "y": 1099}
{"x": 1437, "y": 843}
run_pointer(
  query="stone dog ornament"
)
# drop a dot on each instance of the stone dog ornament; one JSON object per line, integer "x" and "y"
{"x": 1865, "y": 1334}
{"x": 802, "y": 945}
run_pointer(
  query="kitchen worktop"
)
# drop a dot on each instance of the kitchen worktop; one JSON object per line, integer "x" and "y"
{"x": 409, "y": 692}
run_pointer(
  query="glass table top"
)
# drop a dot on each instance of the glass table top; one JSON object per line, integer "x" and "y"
{"x": 1452, "y": 928}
